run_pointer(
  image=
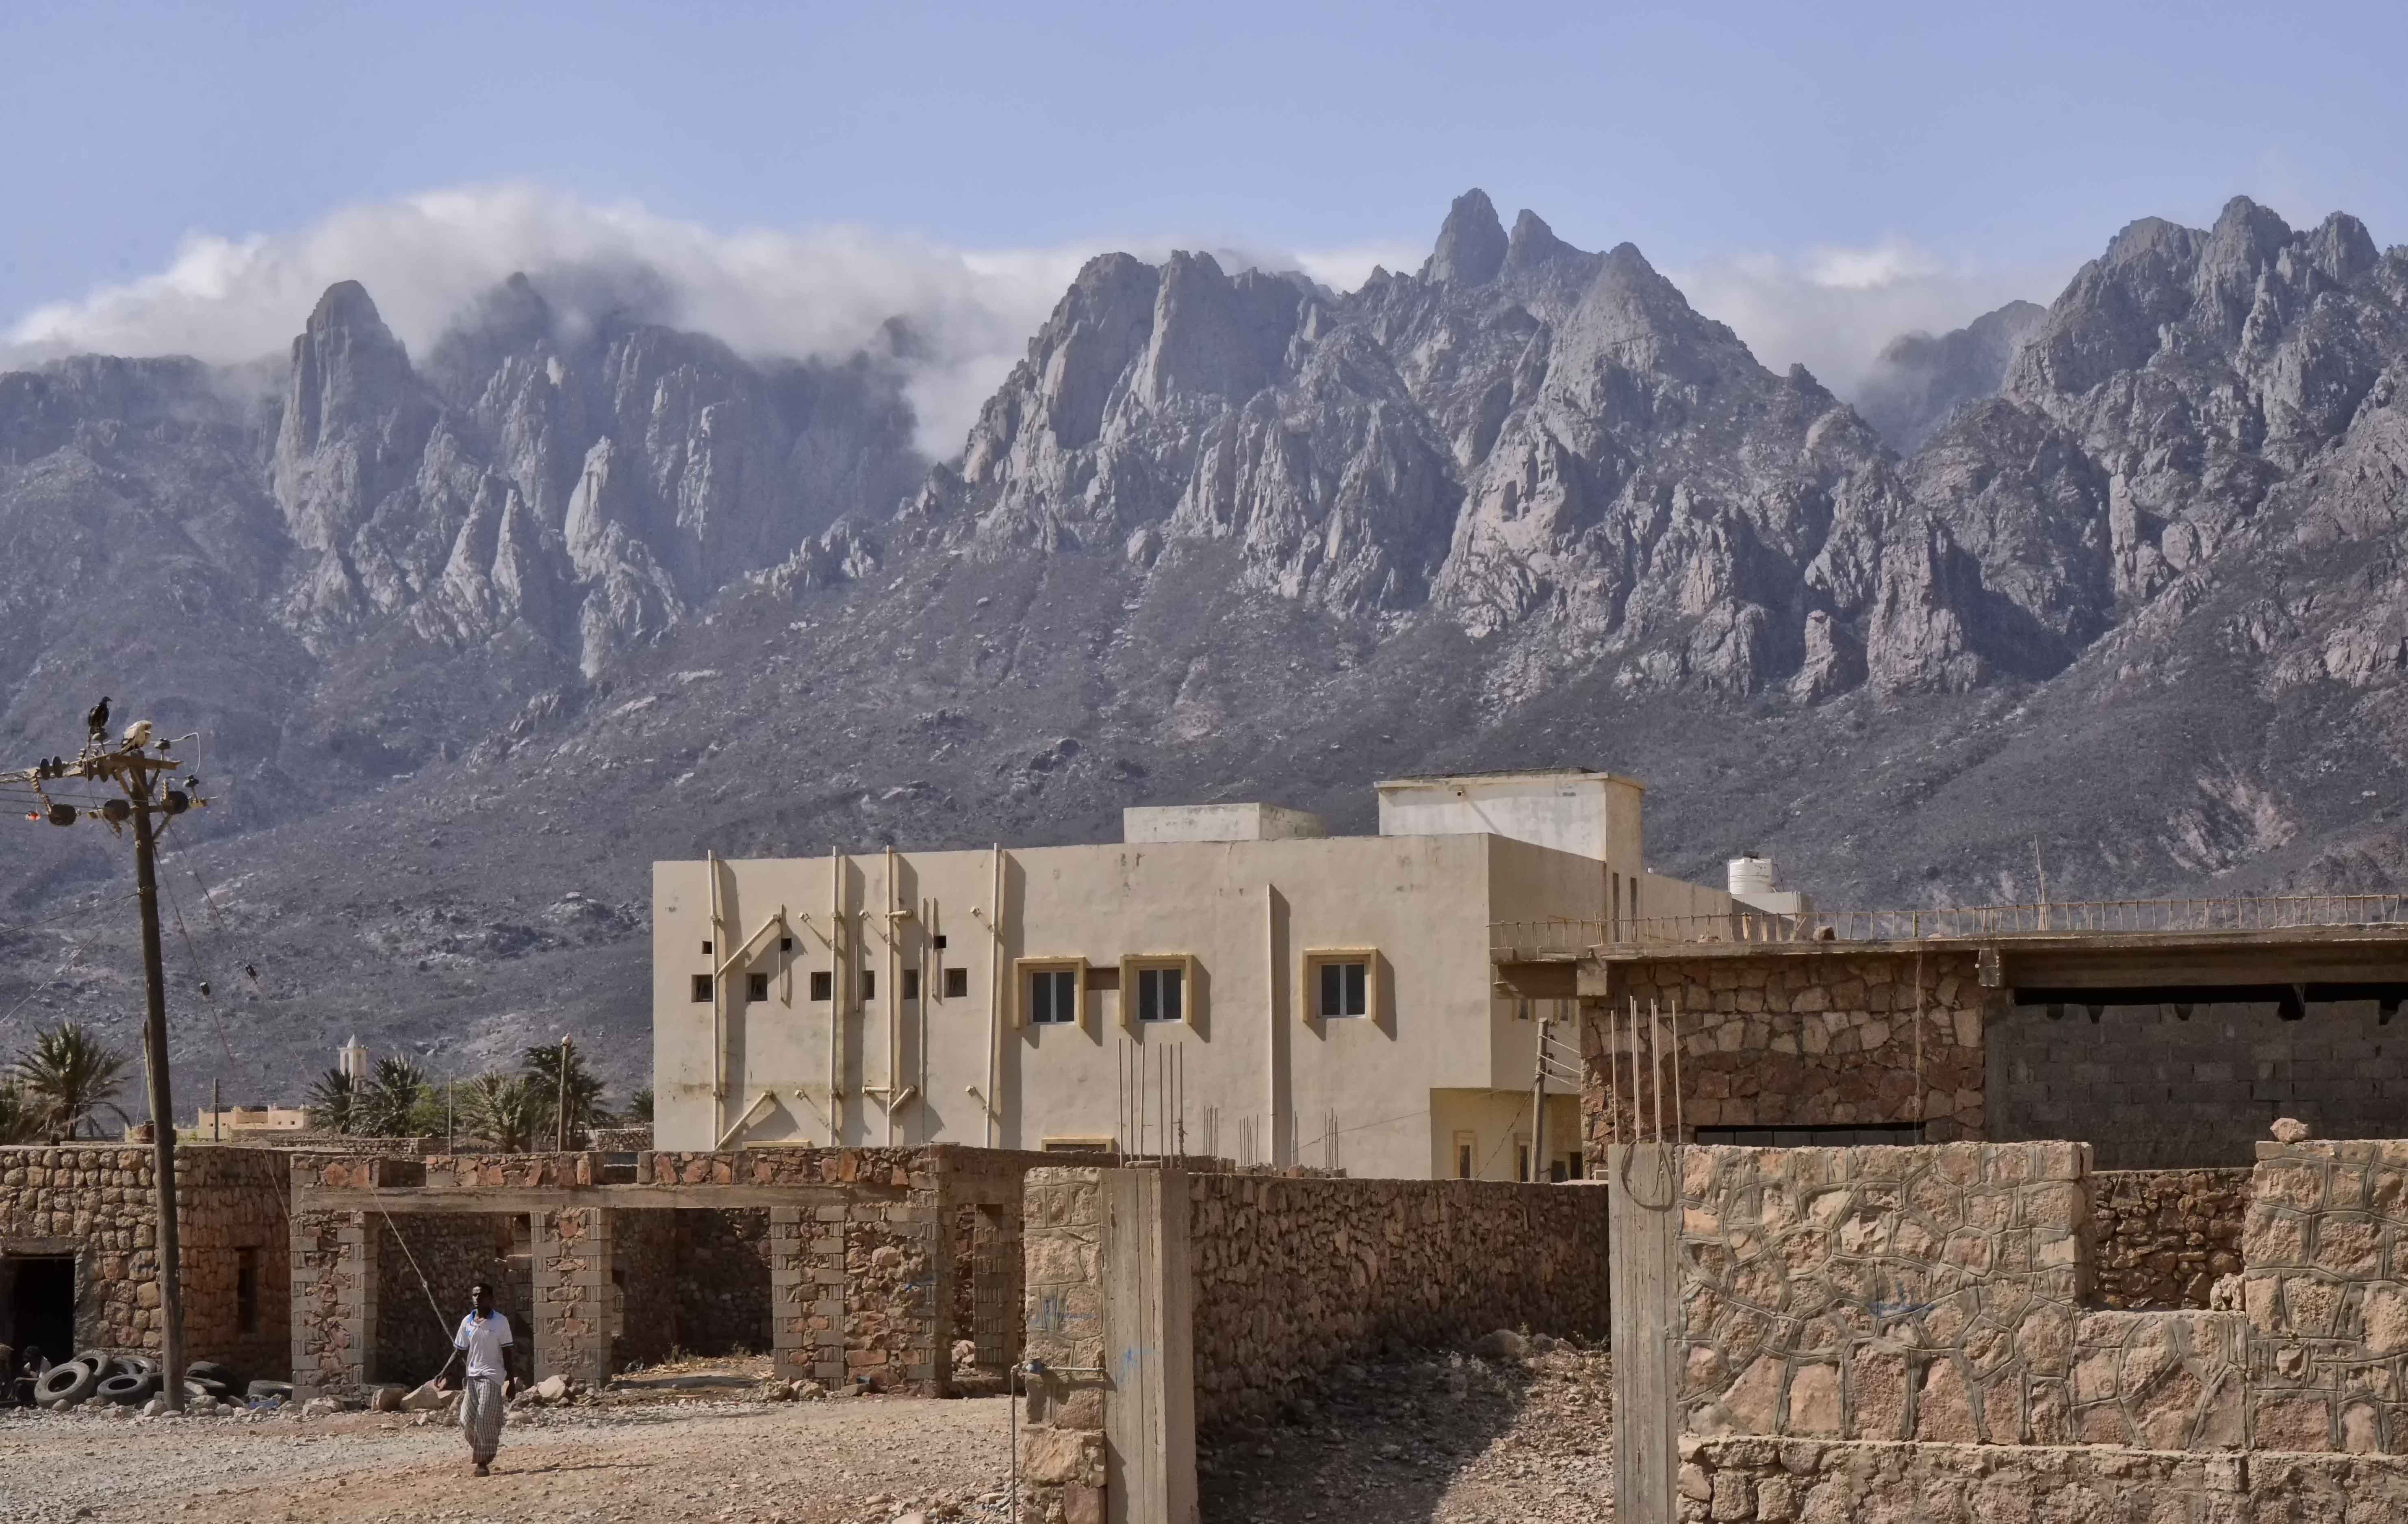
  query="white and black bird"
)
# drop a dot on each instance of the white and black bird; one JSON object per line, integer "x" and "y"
{"x": 97, "y": 721}
{"x": 138, "y": 735}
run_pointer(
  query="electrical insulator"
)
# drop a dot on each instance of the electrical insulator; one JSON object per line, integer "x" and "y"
{"x": 116, "y": 810}
{"x": 63, "y": 815}
{"x": 179, "y": 801}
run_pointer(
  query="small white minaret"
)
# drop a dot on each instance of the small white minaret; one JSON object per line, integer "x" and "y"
{"x": 352, "y": 1060}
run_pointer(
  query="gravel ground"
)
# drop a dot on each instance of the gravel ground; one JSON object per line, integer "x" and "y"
{"x": 1448, "y": 1438}
{"x": 743, "y": 1462}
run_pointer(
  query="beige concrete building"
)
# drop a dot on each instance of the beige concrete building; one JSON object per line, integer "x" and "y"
{"x": 1224, "y": 980}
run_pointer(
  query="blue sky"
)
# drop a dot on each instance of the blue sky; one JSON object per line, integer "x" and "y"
{"x": 1986, "y": 149}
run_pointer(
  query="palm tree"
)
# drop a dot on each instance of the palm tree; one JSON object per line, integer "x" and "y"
{"x": 70, "y": 1076}
{"x": 20, "y": 1117}
{"x": 541, "y": 1069}
{"x": 506, "y": 1109}
{"x": 334, "y": 1102}
{"x": 640, "y": 1107}
{"x": 389, "y": 1107}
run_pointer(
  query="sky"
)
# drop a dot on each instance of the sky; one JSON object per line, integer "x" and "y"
{"x": 187, "y": 176}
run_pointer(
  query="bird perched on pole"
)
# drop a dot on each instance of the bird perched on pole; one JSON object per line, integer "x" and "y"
{"x": 138, "y": 735}
{"x": 97, "y": 721}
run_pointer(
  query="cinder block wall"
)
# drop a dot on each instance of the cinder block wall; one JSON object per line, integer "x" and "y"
{"x": 94, "y": 1203}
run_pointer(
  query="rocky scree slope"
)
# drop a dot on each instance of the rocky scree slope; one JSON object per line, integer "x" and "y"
{"x": 557, "y": 603}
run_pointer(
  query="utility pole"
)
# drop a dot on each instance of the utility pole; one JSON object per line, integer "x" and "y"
{"x": 133, "y": 769}
{"x": 561, "y": 1144}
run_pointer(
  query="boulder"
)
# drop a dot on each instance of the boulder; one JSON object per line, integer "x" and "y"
{"x": 1502, "y": 1345}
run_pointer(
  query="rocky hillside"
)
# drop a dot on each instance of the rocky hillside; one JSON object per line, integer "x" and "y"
{"x": 477, "y": 638}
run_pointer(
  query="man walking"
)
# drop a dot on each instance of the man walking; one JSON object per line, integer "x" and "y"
{"x": 484, "y": 1337}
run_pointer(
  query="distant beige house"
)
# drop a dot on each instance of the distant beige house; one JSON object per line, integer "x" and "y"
{"x": 251, "y": 1122}
{"x": 1225, "y": 980}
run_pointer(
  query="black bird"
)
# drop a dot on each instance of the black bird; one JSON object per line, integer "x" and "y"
{"x": 97, "y": 721}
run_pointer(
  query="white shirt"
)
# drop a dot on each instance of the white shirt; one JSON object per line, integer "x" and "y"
{"x": 484, "y": 1339}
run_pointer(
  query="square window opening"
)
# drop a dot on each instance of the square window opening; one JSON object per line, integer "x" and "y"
{"x": 702, "y": 989}
{"x": 958, "y": 984}
{"x": 940, "y": 940}
{"x": 785, "y": 944}
{"x": 756, "y": 987}
{"x": 1052, "y": 996}
{"x": 1161, "y": 994}
{"x": 1345, "y": 986}
{"x": 823, "y": 984}
{"x": 706, "y": 949}
{"x": 868, "y": 985}
{"x": 911, "y": 984}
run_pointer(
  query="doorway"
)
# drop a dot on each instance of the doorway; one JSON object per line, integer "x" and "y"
{"x": 41, "y": 1303}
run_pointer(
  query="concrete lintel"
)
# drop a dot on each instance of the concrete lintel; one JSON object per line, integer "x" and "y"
{"x": 516, "y": 1198}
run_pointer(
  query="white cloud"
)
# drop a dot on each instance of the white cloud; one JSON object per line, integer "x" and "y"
{"x": 1833, "y": 309}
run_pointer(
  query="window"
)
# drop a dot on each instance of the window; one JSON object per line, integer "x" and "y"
{"x": 911, "y": 984}
{"x": 1161, "y": 994}
{"x": 1052, "y": 996}
{"x": 756, "y": 987}
{"x": 706, "y": 949}
{"x": 246, "y": 1290}
{"x": 785, "y": 944}
{"x": 869, "y": 984}
{"x": 1343, "y": 988}
{"x": 958, "y": 984}
{"x": 702, "y": 989}
{"x": 1522, "y": 1159}
{"x": 1464, "y": 1144}
{"x": 823, "y": 984}
{"x": 940, "y": 940}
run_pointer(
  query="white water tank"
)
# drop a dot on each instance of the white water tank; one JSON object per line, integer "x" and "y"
{"x": 1750, "y": 875}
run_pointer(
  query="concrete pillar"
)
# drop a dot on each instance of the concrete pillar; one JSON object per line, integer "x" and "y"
{"x": 336, "y": 1261}
{"x": 572, "y": 1293}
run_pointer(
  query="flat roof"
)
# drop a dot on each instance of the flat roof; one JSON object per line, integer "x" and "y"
{"x": 1431, "y": 780}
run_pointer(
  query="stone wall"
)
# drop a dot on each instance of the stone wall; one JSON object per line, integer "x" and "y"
{"x": 1801, "y": 1039}
{"x": 1293, "y": 1278}
{"x": 2164, "y": 1236}
{"x": 1800, "y": 1481}
{"x": 2153, "y": 1090}
{"x": 1062, "y": 1458}
{"x": 722, "y": 1287}
{"x": 426, "y": 1266}
{"x": 2162, "y": 1380}
{"x": 94, "y": 1203}
{"x": 2325, "y": 1254}
{"x": 644, "y": 1273}
{"x": 1885, "y": 1293}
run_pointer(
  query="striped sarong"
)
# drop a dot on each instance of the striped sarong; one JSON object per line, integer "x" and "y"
{"x": 480, "y": 1416}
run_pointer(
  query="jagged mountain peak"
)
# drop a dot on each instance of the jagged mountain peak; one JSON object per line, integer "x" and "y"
{"x": 1472, "y": 244}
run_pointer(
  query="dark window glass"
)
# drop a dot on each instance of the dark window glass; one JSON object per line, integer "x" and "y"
{"x": 701, "y": 988}
{"x": 911, "y": 984}
{"x": 1344, "y": 987}
{"x": 823, "y": 984}
{"x": 1161, "y": 994}
{"x": 1463, "y": 1162}
{"x": 1054, "y": 996}
{"x": 756, "y": 987}
{"x": 957, "y": 983}
{"x": 706, "y": 949}
{"x": 868, "y": 985}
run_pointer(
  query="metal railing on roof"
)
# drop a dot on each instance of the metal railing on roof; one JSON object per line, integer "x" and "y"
{"x": 1560, "y": 938}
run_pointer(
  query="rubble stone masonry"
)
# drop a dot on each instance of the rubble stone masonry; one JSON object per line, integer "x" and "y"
{"x": 1801, "y": 1039}
{"x": 2165, "y": 1236}
{"x": 94, "y": 1202}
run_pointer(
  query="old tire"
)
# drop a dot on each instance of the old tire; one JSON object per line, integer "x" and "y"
{"x": 131, "y": 1365}
{"x": 260, "y": 1392}
{"x": 126, "y": 1389}
{"x": 209, "y": 1370}
{"x": 63, "y": 1386}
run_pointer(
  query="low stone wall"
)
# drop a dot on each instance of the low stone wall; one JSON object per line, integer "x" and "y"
{"x": 2165, "y": 1236}
{"x": 1885, "y": 1293}
{"x": 1294, "y": 1276}
{"x": 2325, "y": 1255}
{"x": 94, "y": 1202}
{"x": 1799, "y": 1481}
{"x": 1802, "y": 1039}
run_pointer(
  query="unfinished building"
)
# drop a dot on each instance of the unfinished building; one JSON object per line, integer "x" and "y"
{"x": 858, "y": 1267}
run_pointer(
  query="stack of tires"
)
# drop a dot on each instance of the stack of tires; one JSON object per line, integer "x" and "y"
{"x": 129, "y": 1379}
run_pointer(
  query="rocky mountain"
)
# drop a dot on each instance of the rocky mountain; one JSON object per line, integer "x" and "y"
{"x": 1919, "y": 380}
{"x": 475, "y": 638}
